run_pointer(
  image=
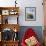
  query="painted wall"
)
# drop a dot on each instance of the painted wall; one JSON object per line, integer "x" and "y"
{"x": 39, "y": 12}
{"x": 39, "y": 15}
{"x": 27, "y": 3}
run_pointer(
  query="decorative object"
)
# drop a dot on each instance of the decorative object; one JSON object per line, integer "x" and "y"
{"x": 15, "y": 37}
{"x": 5, "y": 12}
{"x": 13, "y": 12}
{"x": 31, "y": 41}
{"x": 15, "y": 3}
{"x": 30, "y": 13}
{"x": 7, "y": 34}
{"x": 6, "y": 21}
{"x": 12, "y": 20}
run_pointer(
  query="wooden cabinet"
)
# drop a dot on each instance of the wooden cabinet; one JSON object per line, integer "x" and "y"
{"x": 6, "y": 12}
{"x": 45, "y": 36}
{"x": 6, "y": 26}
{"x": 10, "y": 43}
{"x": 0, "y": 43}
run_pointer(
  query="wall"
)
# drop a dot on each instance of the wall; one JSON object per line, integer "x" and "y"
{"x": 39, "y": 14}
{"x": 27, "y": 3}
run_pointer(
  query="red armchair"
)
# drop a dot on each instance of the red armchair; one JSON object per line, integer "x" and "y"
{"x": 30, "y": 34}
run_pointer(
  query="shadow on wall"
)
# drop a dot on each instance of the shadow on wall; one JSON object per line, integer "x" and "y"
{"x": 37, "y": 29}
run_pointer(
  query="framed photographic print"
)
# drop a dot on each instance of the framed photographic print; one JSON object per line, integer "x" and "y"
{"x": 5, "y": 12}
{"x": 30, "y": 13}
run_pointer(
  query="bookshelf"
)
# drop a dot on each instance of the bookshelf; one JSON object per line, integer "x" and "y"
{"x": 7, "y": 25}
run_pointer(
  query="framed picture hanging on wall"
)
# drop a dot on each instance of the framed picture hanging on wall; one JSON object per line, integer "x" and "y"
{"x": 30, "y": 13}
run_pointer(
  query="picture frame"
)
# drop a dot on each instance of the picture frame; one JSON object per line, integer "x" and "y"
{"x": 30, "y": 13}
{"x": 5, "y": 12}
